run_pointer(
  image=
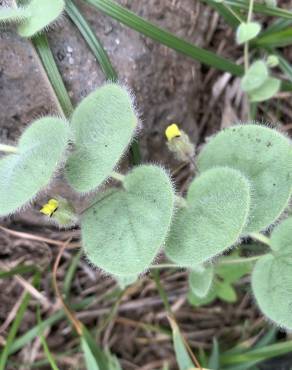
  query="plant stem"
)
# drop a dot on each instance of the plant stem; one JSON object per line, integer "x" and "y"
{"x": 261, "y": 238}
{"x": 117, "y": 176}
{"x": 232, "y": 12}
{"x": 8, "y": 148}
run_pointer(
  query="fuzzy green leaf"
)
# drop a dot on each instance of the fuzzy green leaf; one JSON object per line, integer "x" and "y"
{"x": 217, "y": 209}
{"x": 13, "y": 15}
{"x": 103, "y": 125}
{"x": 264, "y": 156}
{"x": 124, "y": 281}
{"x": 272, "y": 277}
{"x": 124, "y": 230}
{"x": 200, "y": 280}
{"x": 41, "y": 148}
{"x": 266, "y": 91}
{"x": 247, "y": 31}
{"x": 42, "y": 14}
{"x": 255, "y": 76}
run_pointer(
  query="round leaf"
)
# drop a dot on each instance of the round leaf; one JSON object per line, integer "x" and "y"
{"x": 264, "y": 156}
{"x": 247, "y": 31}
{"x": 124, "y": 230}
{"x": 103, "y": 125}
{"x": 200, "y": 280}
{"x": 266, "y": 91}
{"x": 255, "y": 76}
{"x": 216, "y": 213}
{"x": 41, "y": 148}
{"x": 272, "y": 277}
{"x": 42, "y": 14}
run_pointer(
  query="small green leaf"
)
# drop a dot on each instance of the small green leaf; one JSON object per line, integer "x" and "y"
{"x": 42, "y": 14}
{"x": 272, "y": 61}
{"x": 214, "y": 361}
{"x": 232, "y": 273}
{"x": 255, "y": 76}
{"x": 41, "y": 149}
{"x": 103, "y": 125}
{"x": 272, "y": 277}
{"x": 124, "y": 231}
{"x": 225, "y": 292}
{"x": 217, "y": 210}
{"x": 14, "y": 15}
{"x": 200, "y": 280}
{"x": 266, "y": 91}
{"x": 198, "y": 302}
{"x": 247, "y": 31}
{"x": 264, "y": 156}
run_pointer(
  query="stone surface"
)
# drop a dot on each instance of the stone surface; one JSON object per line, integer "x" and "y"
{"x": 166, "y": 84}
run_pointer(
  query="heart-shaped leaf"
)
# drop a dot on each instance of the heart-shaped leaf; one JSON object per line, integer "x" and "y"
{"x": 255, "y": 76}
{"x": 123, "y": 231}
{"x": 247, "y": 31}
{"x": 12, "y": 14}
{"x": 266, "y": 91}
{"x": 200, "y": 280}
{"x": 272, "y": 277}
{"x": 264, "y": 156}
{"x": 41, "y": 148}
{"x": 103, "y": 125}
{"x": 216, "y": 212}
{"x": 42, "y": 14}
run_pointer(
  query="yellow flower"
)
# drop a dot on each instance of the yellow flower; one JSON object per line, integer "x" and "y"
{"x": 49, "y": 208}
{"x": 172, "y": 131}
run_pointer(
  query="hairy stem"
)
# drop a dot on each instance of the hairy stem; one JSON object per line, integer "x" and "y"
{"x": 261, "y": 238}
{"x": 8, "y": 148}
{"x": 117, "y": 176}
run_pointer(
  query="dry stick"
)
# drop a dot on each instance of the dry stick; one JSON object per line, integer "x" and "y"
{"x": 71, "y": 315}
{"x": 28, "y": 236}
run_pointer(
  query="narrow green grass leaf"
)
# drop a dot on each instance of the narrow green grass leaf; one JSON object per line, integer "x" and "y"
{"x": 182, "y": 357}
{"x": 16, "y": 270}
{"x": 139, "y": 24}
{"x": 92, "y": 41}
{"x": 42, "y": 46}
{"x": 14, "y": 327}
{"x": 261, "y": 8}
{"x": 261, "y": 354}
{"x": 24, "y": 339}
{"x": 278, "y": 25}
{"x": 47, "y": 351}
{"x": 71, "y": 273}
{"x": 90, "y": 361}
{"x": 285, "y": 66}
{"x": 214, "y": 360}
{"x": 225, "y": 12}
{"x": 276, "y": 39}
{"x": 158, "y": 34}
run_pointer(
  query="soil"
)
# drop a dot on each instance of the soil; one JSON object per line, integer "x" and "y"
{"x": 168, "y": 88}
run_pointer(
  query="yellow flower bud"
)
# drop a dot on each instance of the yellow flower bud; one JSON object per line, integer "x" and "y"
{"x": 49, "y": 208}
{"x": 172, "y": 131}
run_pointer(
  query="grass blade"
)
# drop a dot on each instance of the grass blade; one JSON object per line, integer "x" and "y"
{"x": 148, "y": 29}
{"x": 261, "y": 8}
{"x": 14, "y": 327}
{"x": 276, "y": 39}
{"x": 226, "y": 12}
{"x": 16, "y": 270}
{"x": 42, "y": 46}
{"x": 92, "y": 41}
{"x": 214, "y": 361}
{"x": 261, "y": 354}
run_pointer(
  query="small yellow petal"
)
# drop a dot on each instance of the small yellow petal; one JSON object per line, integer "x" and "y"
{"x": 172, "y": 131}
{"x": 49, "y": 208}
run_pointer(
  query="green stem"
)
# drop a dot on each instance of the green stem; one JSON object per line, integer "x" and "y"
{"x": 261, "y": 238}
{"x": 117, "y": 176}
{"x": 237, "y": 261}
{"x": 233, "y": 12}
{"x": 8, "y": 148}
